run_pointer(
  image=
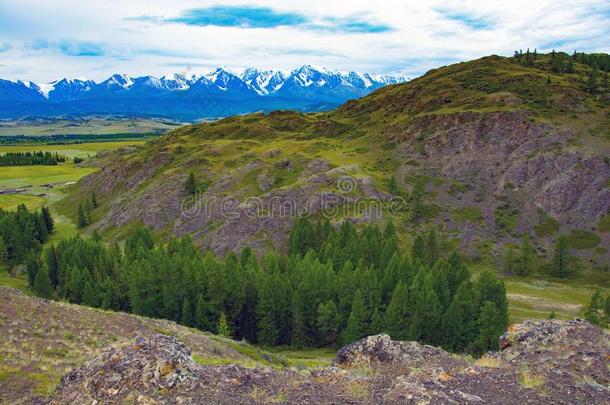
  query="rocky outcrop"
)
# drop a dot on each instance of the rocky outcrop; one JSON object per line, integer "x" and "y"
{"x": 545, "y": 361}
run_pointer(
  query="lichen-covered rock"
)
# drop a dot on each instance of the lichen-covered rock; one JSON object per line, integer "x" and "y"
{"x": 562, "y": 362}
{"x": 382, "y": 350}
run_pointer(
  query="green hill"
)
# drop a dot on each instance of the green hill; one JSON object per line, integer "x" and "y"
{"x": 487, "y": 151}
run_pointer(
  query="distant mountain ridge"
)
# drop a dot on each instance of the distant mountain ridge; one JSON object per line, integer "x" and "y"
{"x": 190, "y": 97}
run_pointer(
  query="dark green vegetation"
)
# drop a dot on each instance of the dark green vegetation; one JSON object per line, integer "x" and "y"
{"x": 22, "y": 233}
{"x": 334, "y": 286}
{"x": 598, "y": 310}
{"x": 31, "y": 159}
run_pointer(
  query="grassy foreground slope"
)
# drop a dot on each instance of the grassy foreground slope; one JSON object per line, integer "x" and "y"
{"x": 42, "y": 340}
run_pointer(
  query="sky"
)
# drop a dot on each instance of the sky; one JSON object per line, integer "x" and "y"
{"x": 46, "y": 40}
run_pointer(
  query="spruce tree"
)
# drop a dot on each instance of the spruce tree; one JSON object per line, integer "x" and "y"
{"x": 377, "y": 323}
{"x": 490, "y": 288}
{"x": 426, "y": 315}
{"x": 460, "y": 327}
{"x": 509, "y": 260}
{"x": 223, "y": 326}
{"x": 418, "y": 249}
{"x": 3, "y": 255}
{"x": 47, "y": 219}
{"x": 191, "y": 184}
{"x": 595, "y": 310}
{"x": 328, "y": 322}
{"x": 201, "y": 315}
{"x": 32, "y": 267}
{"x": 591, "y": 85}
{"x": 42, "y": 284}
{"x": 266, "y": 313}
{"x": 357, "y": 324}
{"x": 489, "y": 332}
{"x": 187, "y": 313}
{"x": 560, "y": 266}
{"x": 526, "y": 257}
{"x": 396, "y": 320}
{"x": 432, "y": 252}
{"x": 94, "y": 203}
{"x": 82, "y": 219}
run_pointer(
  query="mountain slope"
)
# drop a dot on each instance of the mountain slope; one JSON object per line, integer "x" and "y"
{"x": 190, "y": 98}
{"x": 502, "y": 150}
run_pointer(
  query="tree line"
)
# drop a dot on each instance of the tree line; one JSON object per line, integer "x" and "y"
{"x": 23, "y": 233}
{"x": 31, "y": 159}
{"x": 333, "y": 286}
{"x": 596, "y": 80}
{"x": 520, "y": 260}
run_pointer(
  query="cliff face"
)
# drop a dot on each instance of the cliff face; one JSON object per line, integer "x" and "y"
{"x": 547, "y": 361}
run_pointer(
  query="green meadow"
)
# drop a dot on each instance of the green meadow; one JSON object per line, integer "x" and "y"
{"x": 33, "y": 177}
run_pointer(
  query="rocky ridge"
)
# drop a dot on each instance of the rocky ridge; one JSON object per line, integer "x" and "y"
{"x": 546, "y": 361}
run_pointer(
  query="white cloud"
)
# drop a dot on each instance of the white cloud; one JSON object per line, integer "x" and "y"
{"x": 424, "y": 34}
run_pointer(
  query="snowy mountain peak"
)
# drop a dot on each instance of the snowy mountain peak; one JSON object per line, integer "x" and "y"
{"x": 120, "y": 80}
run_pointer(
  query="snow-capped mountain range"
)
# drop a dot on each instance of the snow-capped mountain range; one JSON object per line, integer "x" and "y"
{"x": 218, "y": 93}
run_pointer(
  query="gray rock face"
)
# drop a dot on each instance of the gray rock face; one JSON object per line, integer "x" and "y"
{"x": 543, "y": 362}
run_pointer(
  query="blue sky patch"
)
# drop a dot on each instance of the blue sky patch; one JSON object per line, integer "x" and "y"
{"x": 239, "y": 16}
{"x": 469, "y": 20}
{"x": 69, "y": 47}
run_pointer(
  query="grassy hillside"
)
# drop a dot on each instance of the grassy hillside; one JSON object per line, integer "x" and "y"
{"x": 497, "y": 145}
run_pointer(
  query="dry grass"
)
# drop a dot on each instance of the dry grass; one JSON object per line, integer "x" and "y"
{"x": 528, "y": 379}
{"x": 488, "y": 362}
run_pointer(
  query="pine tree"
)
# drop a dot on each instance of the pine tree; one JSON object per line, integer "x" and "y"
{"x": 377, "y": 323}
{"x": 42, "y": 284}
{"x": 94, "y": 200}
{"x": 489, "y": 332}
{"x": 418, "y": 249}
{"x": 223, "y": 326}
{"x": 328, "y": 322}
{"x": 47, "y": 219}
{"x": 509, "y": 260}
{"x": 417, "y": 198}
{"x": 187, "y": 313}
{"x": 32, "y": 267}
{"x": 50, "y": 259}
{"x": 595, "y": 310}
{"x": 490, "y": 288}
{"x": 460, "y": 327}
{"x": 191, "y": 184}
{"x": 3, "y": 255}
{"x": 83, "y": 218}
{"x": 425, "y": 322}
{"x": 201, "y": 315}
{"x": 526, "y": 257}
{"x": 91, "y": 297}
{"x": 591, "y": 85}
{"x": 267, "y": 314}
{"x": 432, "y": 253}
{"x": 560, "y": 266}
{"x": 357, "y": 324}
{"x": 396, "y": 320}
